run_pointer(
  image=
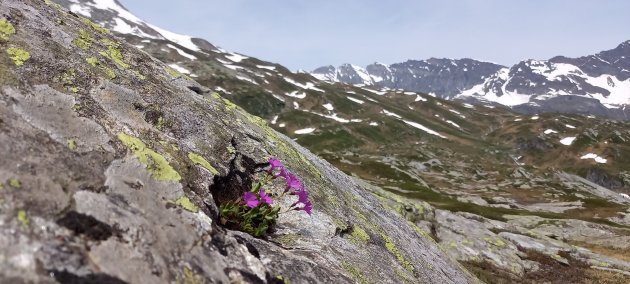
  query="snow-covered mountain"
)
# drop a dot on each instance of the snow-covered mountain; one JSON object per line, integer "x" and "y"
{"x": 596, "y": 84}
{"x": 443, "y": 77}
{"x": 113, "y": 15}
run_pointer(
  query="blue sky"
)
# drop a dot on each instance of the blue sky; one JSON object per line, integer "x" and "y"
{"x": 305, "y": 34}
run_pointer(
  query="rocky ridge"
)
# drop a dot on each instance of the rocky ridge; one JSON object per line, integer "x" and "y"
{"x": 595, "y": 84}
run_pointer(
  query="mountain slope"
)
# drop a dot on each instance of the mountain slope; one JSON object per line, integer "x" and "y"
{"x": 482, "y": 181}
{"x": 596, "y": 84}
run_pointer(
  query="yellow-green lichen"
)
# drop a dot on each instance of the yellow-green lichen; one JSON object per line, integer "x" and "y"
{"x": 92, "y": 61}
{"x": 167, "y": 145}
{"x": 420, "y": 231}
{"x": 68, "y": 77}
{"x": 74, "y": 89}
{"x": 231, "y": 149}
{"x": 601, "y": 263}
{"x": 15, "y": 183}
{"x": 157, "y": 165}
{"x": 161, "y": 123}
{"x": 199, "y": 160}
{"x": 190, "y": 277}
{"x": 23, "y": 218}
{"x": 184, "y": 202}
{"x": 18, "y": 55}
{"x": 6, "y": 29}
{"x": 95, "y": 26}
{"x": 109, "y": 73}
{"x": 355, "y": 272}
{"x": 288, "y": 239}
{"x": 495, "y": 241}
{"x": 172, "y": 72}
{"x": 138, "y": 74}
{"x": 230, "y": 105}
{"x": 115, "y": 54}
{"x": 84, "y": 41}
{"x": 391, "y": 247}
{"x": 359, "y": 236}
{"x": 282, "y": 279}
{"x": 72, "y": 144}
{"x": 403, "y": 276}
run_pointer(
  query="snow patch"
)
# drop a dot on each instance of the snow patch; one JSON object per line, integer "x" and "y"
{"x": 181, "y": 52}
{"x": 304, "y": 131}
{"x": 453, "y": 123}
{"x": 380, "y": 93}
{"x": 236, "y": 57}
{"x": 389, "y": 113}
{"x": 567, "y": 141}
{"x": 272, "y": 68}
{"x": 356, "y": 100}
{"x": 423, "y": 128}
{"x": 595, "y": 157}
{"x": 328, "y": 106}
{"x": 420, "y": 98}
{"x": 550, "y": 131}
{"x": 183, "y": 40}
{"x": 246, "y": 79}
{"x": 296, "y": 94}
{"x": 81, "y": 10}
{"x": 219, "y": 89}
{"x": 308, "y": 85}
{"x": 179, "y": 68}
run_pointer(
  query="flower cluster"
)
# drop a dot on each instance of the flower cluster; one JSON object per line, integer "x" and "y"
{"x": 255, "y": 213}
{"x": 294, "y": 186}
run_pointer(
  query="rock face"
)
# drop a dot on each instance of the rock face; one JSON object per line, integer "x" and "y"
{"x": 96, "y": 140}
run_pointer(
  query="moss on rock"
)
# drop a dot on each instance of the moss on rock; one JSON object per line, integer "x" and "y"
{"x": 391, "y": 247}
{"x": 84, "y": 41}
{"x": 72, "y": 144}
{"x": 18, "y": 55}
{"x": 95, "y": 26}
{"x": 199, "y": 160}
{"x": 156, "y": 164}
{"x": 184, "y": 202}
{"x": 6, "y": 29}
{"x": 15, "y": 183}
{"x": 22, "y": 217}
{"x": 359, "y": 235}
{"x": 355, "y": 272}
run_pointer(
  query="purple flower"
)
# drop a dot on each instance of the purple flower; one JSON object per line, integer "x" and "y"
{"x": 251, "y": 200}
{"x": 303, "y": 199}
{"x": 283, "y": 174}
{"x": 275, "y": 165}
{"x": 308, "y": 208}
{"x": 302, "y": 196}
{"x": 265, "y": 198}
{"x": 293, "y": 182}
